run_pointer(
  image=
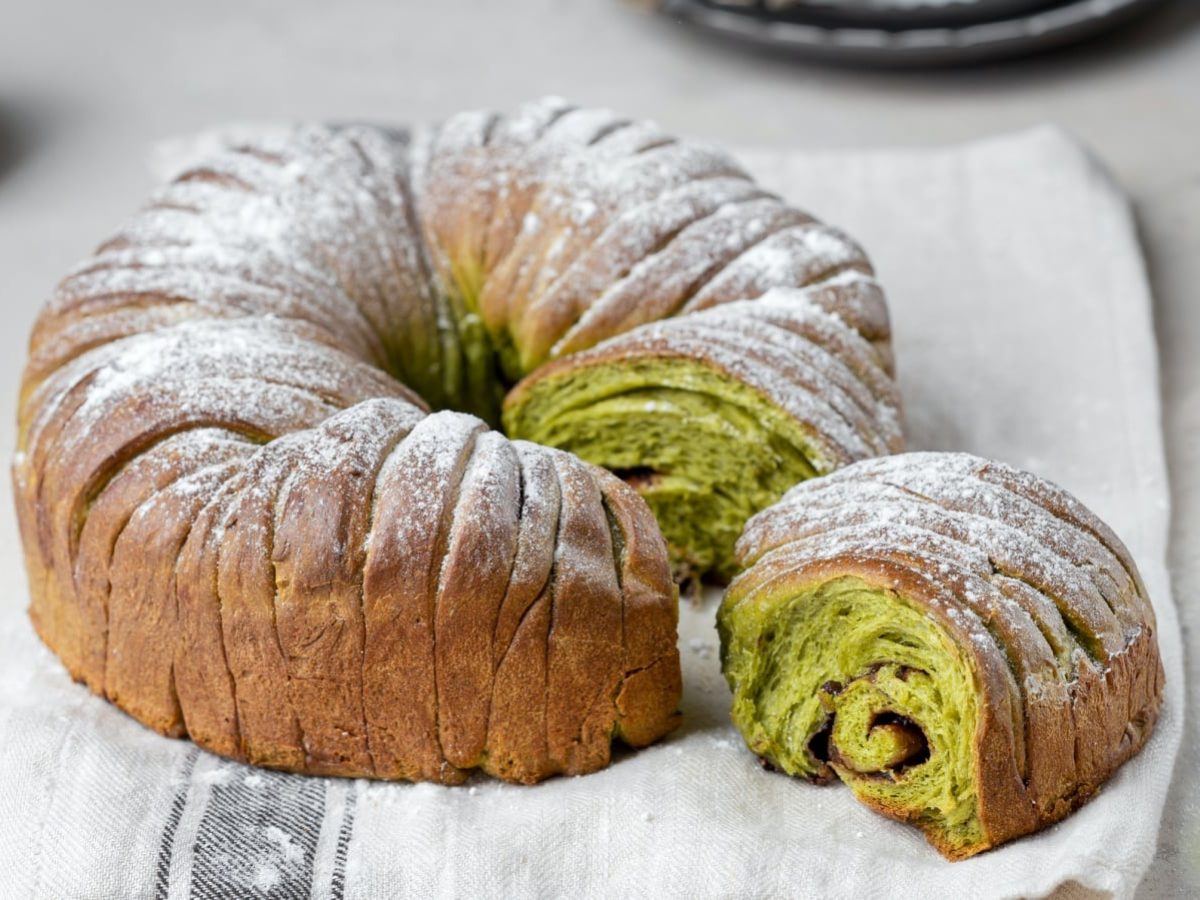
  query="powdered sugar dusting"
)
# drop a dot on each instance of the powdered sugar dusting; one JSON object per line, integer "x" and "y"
{"x": 950, "y": 516}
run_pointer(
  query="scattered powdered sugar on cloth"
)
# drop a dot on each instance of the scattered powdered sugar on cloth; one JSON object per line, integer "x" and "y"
{"x": 1023, "y": 333}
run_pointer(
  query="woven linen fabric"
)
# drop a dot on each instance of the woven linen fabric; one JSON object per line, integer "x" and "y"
{"x": 1023, "y": 333}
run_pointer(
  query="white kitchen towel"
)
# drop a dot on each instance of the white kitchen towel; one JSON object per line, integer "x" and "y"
{"x": 1023, "y": 332}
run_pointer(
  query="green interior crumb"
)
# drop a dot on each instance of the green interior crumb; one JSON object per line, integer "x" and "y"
{"x": 843, "y": 676}
{"x": 704, "y": 450}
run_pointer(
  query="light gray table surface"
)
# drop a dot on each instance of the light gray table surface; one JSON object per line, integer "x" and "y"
{"x": 86, "y": 88}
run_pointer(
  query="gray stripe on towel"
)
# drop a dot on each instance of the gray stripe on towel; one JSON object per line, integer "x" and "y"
{"x": 162, "y": 875}
{"x": 258, "y": 836}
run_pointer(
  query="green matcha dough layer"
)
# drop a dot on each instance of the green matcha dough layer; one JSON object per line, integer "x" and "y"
{"x": 840, "y": 677}
{"x": 472, "y": 376}
{"x": 704, "y": 450}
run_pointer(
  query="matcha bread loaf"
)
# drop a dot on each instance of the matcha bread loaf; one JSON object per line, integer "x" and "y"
{"x": 962, "y": 643}
{"x": 258, "y": 495}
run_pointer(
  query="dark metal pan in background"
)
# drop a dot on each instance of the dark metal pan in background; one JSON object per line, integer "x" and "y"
{"x": 907, "y": 32}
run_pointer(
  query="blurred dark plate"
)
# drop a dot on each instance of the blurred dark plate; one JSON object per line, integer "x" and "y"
{"x": 907, "y": 32}
{"x": 886, "y": 13}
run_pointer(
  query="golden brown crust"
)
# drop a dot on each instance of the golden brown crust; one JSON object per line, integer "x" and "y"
{"x": 471, "y": 589}
{"x": 651, "y": 676}
{"x": 583, "y": 653}
{"x": 142, "y": 617}
{"x": 203, "y": 682}
{"x": 414, "y": 505}
{"x": 516, "y": 728}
